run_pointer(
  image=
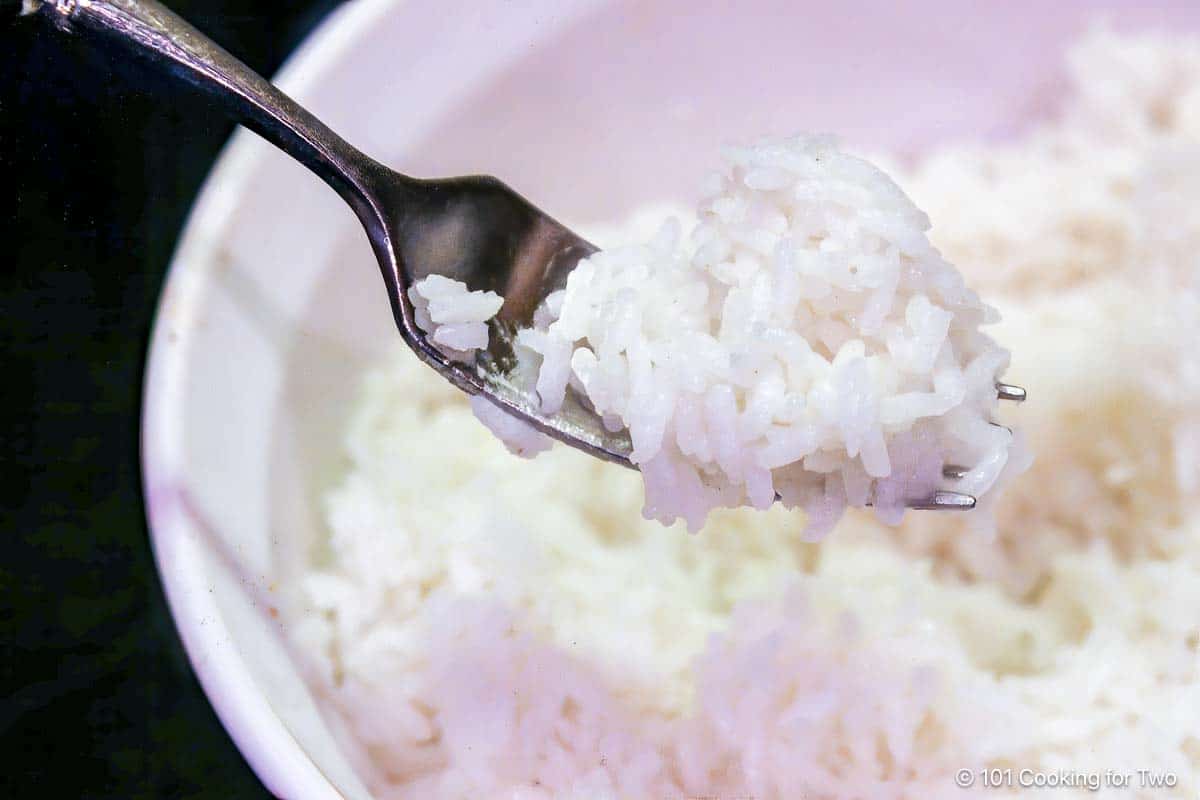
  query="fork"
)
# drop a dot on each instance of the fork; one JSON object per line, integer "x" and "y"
{"x": 473, "y": 229}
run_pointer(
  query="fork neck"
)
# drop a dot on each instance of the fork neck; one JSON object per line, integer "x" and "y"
{"x": 151, "y": 32}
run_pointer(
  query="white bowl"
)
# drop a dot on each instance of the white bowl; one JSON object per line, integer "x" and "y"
{"x": 273, "y": 304}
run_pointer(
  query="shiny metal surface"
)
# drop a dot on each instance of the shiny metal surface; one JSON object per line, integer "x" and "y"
{"x": 945, "y": 501}
{"x": 1006, "y": 391}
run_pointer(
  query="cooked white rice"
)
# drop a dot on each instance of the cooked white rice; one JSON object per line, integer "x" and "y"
{"x": 808, "y": 342}
{"x": 521, "y": 438}
{"x": 454, "y": 316}
{"x": 485, "y": 629}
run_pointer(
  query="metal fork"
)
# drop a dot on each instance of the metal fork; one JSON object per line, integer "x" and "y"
{"x": 473, "y": 229}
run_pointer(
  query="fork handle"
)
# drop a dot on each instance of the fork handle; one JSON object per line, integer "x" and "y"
{"x": 149, "y": 30}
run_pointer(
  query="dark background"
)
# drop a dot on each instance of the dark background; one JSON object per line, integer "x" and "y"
{"x": 97, "y": 178}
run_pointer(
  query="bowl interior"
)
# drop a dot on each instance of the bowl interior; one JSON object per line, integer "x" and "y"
{"x": 274, "y": 306}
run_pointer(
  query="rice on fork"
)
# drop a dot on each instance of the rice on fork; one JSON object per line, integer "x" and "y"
{"x": 806, "y": 343}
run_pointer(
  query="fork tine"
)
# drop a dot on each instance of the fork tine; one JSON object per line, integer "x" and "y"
{"x": 945, "y": 501}
{"x": 941, "y": 500}
{"x": 953, "y": 472}
{"x": 1006, "y": 391}
{"x": 998, "y": 425}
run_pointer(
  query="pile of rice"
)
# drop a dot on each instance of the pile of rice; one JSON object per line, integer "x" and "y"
{"x": 491, "y": 629}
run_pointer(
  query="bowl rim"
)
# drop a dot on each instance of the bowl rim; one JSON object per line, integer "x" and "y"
{"x": 272, "y": 752}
